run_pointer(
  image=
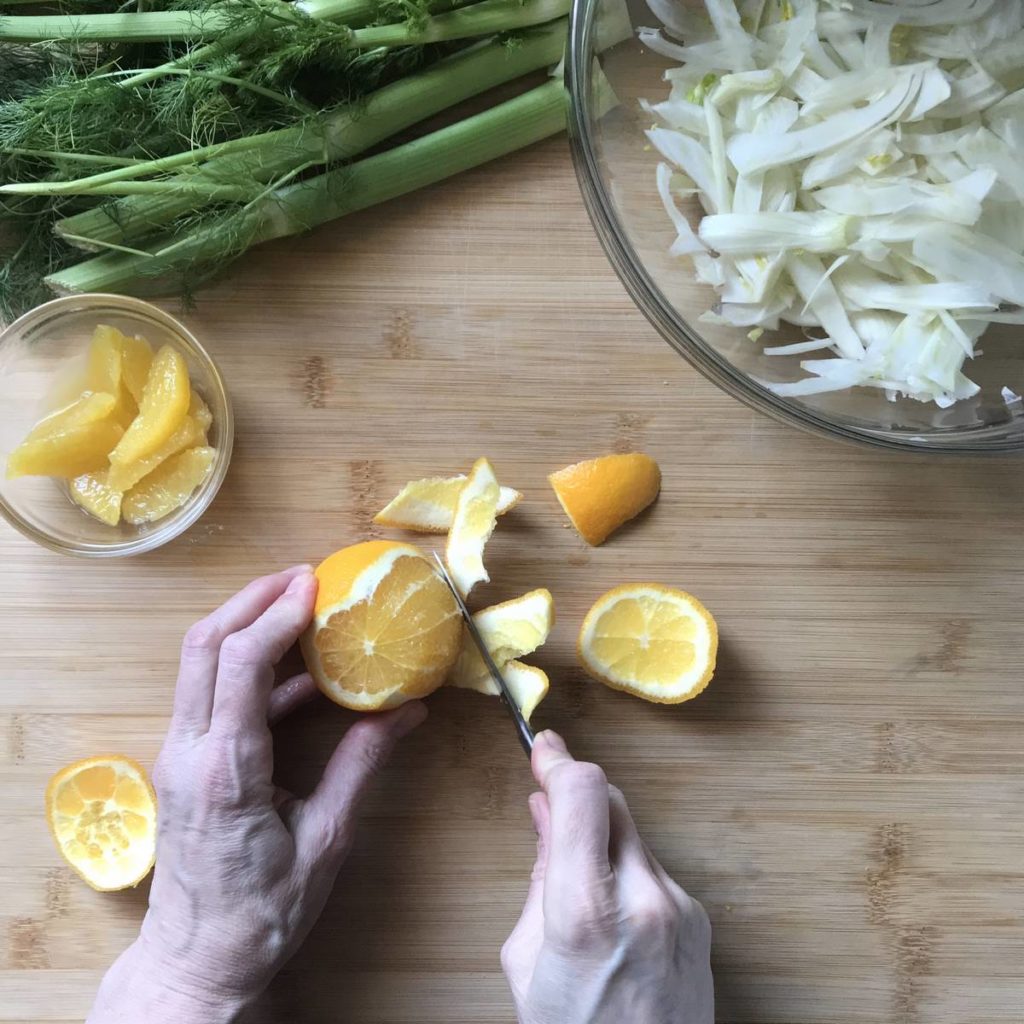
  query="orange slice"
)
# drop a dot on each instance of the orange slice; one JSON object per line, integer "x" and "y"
{"x": 93, "y": 492}
{"x": 72, "y": 441}
{"x": 102, "y": 813}
{"x": 476, "y": 512}
{"x": 385, "y": 628}
{"x": 165, "y": 402}
{"x": 650, "y": 640}
{"x": 601, "y": 494}
{"x": 428, "y": 506}
{"x": 168, "y": 487}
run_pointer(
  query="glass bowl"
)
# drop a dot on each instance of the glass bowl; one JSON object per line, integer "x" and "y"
{"x": 45, "y": 349}
{"x": 616, "y": 172}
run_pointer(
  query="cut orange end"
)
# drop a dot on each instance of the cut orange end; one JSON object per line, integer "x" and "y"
{"x": 102, "y": 813}
{"x": 650, "y": 640}
{"x": 386, "y": 628}
{"x": 165, "y": 403}
{"x": 599, "y": 495}
{"x": 428, "y": 506}
{"x": 168, "y": 487}
{"x": 476, "y": 512}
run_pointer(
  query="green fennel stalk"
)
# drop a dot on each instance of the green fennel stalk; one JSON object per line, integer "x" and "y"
{"x": 296, "y": 208}
{"x": 338, "y": 134}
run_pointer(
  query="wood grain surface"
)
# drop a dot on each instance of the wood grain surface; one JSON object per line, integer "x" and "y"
{"x": 845, "y": 799}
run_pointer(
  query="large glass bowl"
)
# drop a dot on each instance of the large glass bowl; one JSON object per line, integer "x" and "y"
{"x": 616, "y": 172}
{"x": 45, "y": 351}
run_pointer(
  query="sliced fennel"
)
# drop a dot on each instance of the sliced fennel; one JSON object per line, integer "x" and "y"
{"x": 860, "y": 164}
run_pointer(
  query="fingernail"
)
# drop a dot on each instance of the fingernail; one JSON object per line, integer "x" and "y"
{"x": 303, "y": 567}
{"x": 300, "y": 582}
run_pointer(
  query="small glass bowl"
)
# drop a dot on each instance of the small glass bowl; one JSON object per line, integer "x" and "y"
{"x": 41, "y": 354}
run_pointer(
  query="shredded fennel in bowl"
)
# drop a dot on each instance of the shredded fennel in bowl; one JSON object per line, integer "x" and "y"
{"x": 860, "y": 165}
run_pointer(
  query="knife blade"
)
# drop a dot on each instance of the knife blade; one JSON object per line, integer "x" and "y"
{"x": 523, "y": 729}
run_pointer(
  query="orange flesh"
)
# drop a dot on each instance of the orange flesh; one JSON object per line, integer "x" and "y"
{"x": 406, "y": 635}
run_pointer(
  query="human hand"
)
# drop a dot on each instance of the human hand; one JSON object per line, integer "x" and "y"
{"x": 243, "y": 867}
{"x": 605, "y": 936}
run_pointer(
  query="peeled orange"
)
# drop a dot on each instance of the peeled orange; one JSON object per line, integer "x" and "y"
{"x": 601, "y": 494}
{"x": 428, "y": 506}
{"x": 386, "y": 628}
{"x": 102, "y": 813}
{"x": 650, "y": 640}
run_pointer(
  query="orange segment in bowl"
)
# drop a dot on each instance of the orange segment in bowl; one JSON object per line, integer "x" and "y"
{"x": 386, "y": 628}
{"x": 165, "y": 402}
{"x": 191, "y": 433}
{"x": 601, "y": 494}
{"x": 102, "y": 813}
{"x": 92, "y": 492}
{"x": 105, "y": 372}
{"x": 72, "y": 441}
{"x": 136, "y": 359}
{"x": 650, "y": 640}
{"x": 168, "y": 487}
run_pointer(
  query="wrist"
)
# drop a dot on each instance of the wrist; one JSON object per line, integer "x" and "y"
{"x": 140, "y": 987}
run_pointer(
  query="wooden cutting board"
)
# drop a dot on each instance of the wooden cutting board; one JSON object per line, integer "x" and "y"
{"x": 846, "y": 797}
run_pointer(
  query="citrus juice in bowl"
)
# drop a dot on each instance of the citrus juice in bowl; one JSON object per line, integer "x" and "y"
{"x": 101, "y": 389}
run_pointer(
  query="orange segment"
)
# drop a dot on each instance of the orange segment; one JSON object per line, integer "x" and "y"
{"x": 102, "y": 814}
{"x": 136, "y": 359}
{"x": 105, "y": 372}
{"x": 601, "y": 494}
{"x": 650, "y": 640}
{"x": 71, "y": 442}
{"x": 386, "y": 628}
{"x": 165, "y": 402}
{"x": 92, "y": 492}
{"x": 191, "y": 433}
{"x": 168, "y": 487}
{"x": 428, "y": 506}
{"x": 476, "y": 512}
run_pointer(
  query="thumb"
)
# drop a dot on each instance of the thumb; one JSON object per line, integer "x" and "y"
{"x": 325, "y": 826}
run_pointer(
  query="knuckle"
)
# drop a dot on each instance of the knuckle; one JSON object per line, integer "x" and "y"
{"x": 201, "y": 638}
{"x": 508, "y": 954}
{"x": 370, "y": 750}
{"x": 242, "y": 649}
{"x": 696, "y": 916}
{"x": 655, "y": 915}
{"x": 580, "y": 775}
{"x": 589, "y": 926}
